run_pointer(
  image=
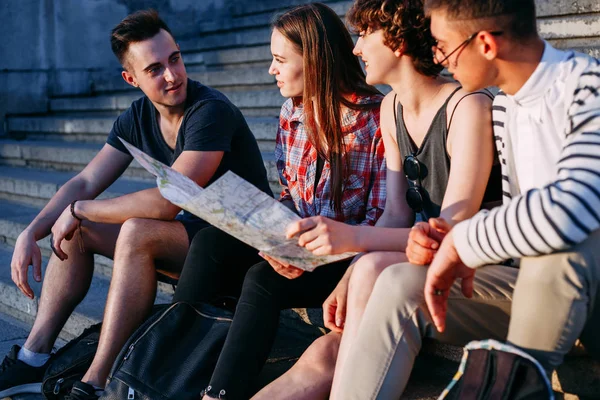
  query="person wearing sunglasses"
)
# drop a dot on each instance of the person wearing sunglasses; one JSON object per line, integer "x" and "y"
{"x": 439, "y": 154}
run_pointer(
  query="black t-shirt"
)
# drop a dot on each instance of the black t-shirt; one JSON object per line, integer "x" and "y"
{"x": 210, "y": 123}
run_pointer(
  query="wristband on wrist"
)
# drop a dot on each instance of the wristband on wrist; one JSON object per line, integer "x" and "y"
{"x": 73, "y": 211}
{"x": 79, "y": 220}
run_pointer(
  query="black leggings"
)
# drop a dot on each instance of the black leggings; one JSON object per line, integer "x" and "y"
{"x": 264, "y": 294}
{"x": 214, "y": 267}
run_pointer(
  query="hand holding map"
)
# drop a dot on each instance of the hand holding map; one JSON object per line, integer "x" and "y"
{"x": 237, "y": 207}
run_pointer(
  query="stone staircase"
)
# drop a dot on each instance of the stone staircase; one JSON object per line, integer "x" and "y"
{"x": 42, "y": 151}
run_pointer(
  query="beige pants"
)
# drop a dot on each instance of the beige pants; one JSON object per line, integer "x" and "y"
{"x": 552, "y": 300}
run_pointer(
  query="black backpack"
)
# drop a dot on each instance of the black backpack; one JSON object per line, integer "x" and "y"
{"x": 171, "y": 356}
{"x": 70, "y": 363}
{"x": 493, "y": 370}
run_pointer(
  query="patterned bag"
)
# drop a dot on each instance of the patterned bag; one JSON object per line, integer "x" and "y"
{"x": 493, "y": 370}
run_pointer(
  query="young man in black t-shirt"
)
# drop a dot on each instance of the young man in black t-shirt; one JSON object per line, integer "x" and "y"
{"x": 182, "y": 123}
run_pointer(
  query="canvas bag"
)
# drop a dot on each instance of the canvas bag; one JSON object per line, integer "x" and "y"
{"x": 493, "y": 370}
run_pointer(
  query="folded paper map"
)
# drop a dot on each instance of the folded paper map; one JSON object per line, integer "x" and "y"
{"x": 237, "y": 207}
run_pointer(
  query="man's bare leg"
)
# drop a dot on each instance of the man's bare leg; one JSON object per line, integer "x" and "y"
{"x": 310, "y": 378}
{"x": 141, "y": 244}
{"x": 67, "y": 282}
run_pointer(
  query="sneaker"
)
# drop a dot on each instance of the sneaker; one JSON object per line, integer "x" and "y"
{"x": 83, "y": 391}
{"x": 19, "y": 377}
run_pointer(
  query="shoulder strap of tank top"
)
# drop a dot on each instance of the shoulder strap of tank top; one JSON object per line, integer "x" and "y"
{"x": 395, "y": 110}
{"x": 484, "y": 92}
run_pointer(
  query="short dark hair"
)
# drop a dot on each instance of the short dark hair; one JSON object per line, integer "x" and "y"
{"x": 514, "y": 17}
{"x": 136, "y": 27}
{"x": 404, "y": 25}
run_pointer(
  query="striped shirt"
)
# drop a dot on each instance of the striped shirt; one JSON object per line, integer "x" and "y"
{"x": 363, "y": 196}
{"x": 548, "y": 141}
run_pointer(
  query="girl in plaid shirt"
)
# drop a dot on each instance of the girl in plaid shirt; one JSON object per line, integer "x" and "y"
{"x": 330, "y": 159}
{"x": 439, "y": 154}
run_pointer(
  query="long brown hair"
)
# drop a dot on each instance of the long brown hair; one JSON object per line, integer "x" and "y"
{"x": 331, "y": 73}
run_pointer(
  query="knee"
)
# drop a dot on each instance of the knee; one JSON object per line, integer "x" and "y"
{"x": 321, "y": 356}
{"x": 552, "y": 271}
{"x": 262, "y": 280}
{"x": 210, "y": 242}
{"x": 135, "y": 236}
{"x": 401, "y": 284}
{"x": 366, "y": 271}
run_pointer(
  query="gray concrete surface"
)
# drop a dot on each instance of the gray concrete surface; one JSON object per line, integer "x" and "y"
{"x": 12, "y": 331}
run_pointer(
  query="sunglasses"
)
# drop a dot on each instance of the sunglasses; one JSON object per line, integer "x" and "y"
{"x": 415, "y": 195}
{"x": 468, "y": 40}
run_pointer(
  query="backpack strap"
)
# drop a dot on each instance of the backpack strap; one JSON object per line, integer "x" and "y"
{"x": 395, "y": 110}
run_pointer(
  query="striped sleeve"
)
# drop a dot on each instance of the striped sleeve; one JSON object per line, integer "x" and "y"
{"x": 499, "y": 119}
{"x": 557, "y": 216}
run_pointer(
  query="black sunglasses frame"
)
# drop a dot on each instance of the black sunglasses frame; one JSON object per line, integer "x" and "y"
{"x": 415, "y": 193}
{"x": 468, "y": 40}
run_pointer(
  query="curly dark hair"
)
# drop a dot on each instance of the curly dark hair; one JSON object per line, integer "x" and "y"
{"x": 404, "y": 25}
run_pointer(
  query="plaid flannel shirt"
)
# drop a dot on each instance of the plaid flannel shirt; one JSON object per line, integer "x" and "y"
{"x": 364, "y": 186}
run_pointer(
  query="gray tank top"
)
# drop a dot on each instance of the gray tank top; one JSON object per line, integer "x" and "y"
{"x": 432, "y": 155}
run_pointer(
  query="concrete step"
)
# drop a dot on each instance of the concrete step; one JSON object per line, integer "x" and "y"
{"x": 255, "y": 7}
{"x": 217, "y": 78}
{"x": 12, "y": 331}
{"x": 247, "y": 56}
{"x": 14, "y": 218}
{"x": 17, "y": 305}
{"x": 35, "y": 187}
{"x": 58, "y": 156}
{"x": 90, "y": 128}
{"x": 247, "y": 30}
{"x": 72, "y": 157}
{"x": 252, "y": 52}
{"x": 252, "y": 36}
{"x": 267, "y": 98}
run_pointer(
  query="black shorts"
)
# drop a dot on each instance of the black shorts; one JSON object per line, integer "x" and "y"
{"x": 192, "y": 226}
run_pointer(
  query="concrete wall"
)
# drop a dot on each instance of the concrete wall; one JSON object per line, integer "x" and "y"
{"x": 59, "y": 47}
{"x": 82, "y": 28}
{"x": 571, "y": 24}
{"x": 23, "y": 57}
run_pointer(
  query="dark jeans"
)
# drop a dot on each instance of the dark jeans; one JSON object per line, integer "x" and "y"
{"x": 264, "y": 294}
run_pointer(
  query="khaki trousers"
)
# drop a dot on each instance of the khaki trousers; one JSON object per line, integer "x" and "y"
{"x": 544, "y": 311}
